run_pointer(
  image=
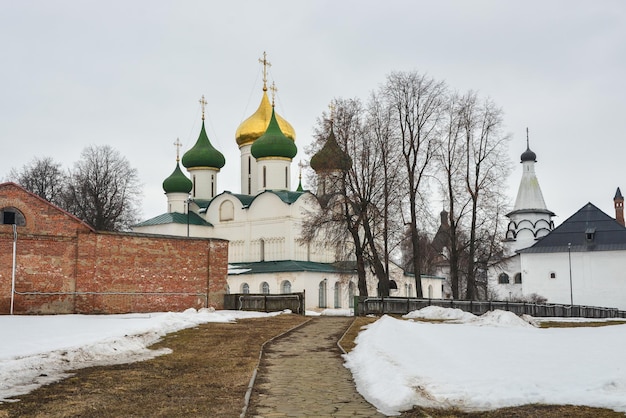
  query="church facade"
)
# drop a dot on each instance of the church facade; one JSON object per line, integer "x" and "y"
{"x": 263, "y": 222}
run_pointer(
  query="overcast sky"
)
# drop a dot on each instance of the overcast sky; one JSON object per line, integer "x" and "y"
{"x": 130, "y": 73}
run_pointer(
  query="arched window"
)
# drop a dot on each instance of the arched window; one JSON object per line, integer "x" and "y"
{"x": 430, "y": 291}
{"x": 265, "y": 288}
{"x": 212, "y": 185}
{"x": 285, "y": 286}
{"x": 322, "y": 294}
{"x": 245, "y": 288}
{"x": 12, "y": 216}
{"x": 553, "y": 275}
{"x": 262, "y": 248}
{"x": 227, "y": 211}
{"x": 518, "y": 278}
{"x": 393, "y": 285}
{"x": 351, "y": 295}
{"x": 286, "y": 177}
{"x": 194, "y": 186}
{"x": 503, "y": 278}
{"x": 264, "y": 177}
{"x": 337, "y": 295}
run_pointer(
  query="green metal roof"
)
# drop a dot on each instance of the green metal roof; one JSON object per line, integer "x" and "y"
{"x": 273, "y": 143}
{"x": 175, "y": 218}
{"x": 262, "y": 267}
{"x": 203, "y": 154}
{"x": 177, "y": 182}
{"x": 331, "y": 157}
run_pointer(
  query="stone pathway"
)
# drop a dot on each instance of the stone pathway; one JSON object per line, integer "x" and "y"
{"x": 302, "y": 375}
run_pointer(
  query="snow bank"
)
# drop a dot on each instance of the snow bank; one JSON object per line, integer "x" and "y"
{"x": 438, "y": 313}
{"x": 397, "y": 364}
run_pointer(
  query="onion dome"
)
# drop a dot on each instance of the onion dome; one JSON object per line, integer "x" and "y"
{"x": 177, "y": 182}
{"x": 252, "y": 128}
{"x": 528, "y": 155}
{"x": 274, "y": 143}
{"x": 331, "y": 157}
{"x": 203, "y": 154}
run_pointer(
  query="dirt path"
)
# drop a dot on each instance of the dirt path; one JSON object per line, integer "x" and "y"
{"x": 302, "y": 375}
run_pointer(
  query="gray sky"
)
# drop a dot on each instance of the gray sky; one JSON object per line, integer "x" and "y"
{"x": 130, "y": 73}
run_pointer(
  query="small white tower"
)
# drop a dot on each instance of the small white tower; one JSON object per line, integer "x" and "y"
{"x": 530, "y": 219}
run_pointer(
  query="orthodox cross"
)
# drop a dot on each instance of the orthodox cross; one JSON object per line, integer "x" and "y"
{"x": 527, "y": 140}
{"x": 331, "y": 106}
{"x": 203, "y": 104}
{"x": 178, "y": 144}
{"x": 266, "y": 64}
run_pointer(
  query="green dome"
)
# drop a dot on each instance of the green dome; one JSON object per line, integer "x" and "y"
{"x": 331, "y": 157}
{"x": 273, "y": 143}
{"x": 203, "y": 154}
{"x": 177, "y": 182}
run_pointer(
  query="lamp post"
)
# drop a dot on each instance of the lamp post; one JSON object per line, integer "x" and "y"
{"x": 569, "y": 255}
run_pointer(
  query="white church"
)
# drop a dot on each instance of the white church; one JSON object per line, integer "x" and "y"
{"x": 262, "y": 223}
{"x": 580, "y": 262}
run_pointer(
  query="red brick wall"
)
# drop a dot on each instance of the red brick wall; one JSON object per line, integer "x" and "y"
{"x": 99, "y": 272}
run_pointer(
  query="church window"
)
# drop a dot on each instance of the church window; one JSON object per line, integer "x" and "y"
{"x": 264, "y": 176}
{"x": 194, "y": 185}
{"x": 503, "y": 278}
{"x": 518, "y": 278}
{"x": 322, "y": 294}
{"x": 337, "y": 295}
{"x": 12, "y": 216}
{"x": 245, "y": 288}
{"x": 351, "y": 295}
{"x": 430, "y": 291}
{"x": 227, "y": 211}
{"x": 212, "y": 185}
{"x": 262, "y": 249}
{"x": 265, "y": 288}
{"x": 286, "y": 177}
{"x": 393, "y": 285}
{"x": 285, "y": 287}
{"x": 553, "y": 275}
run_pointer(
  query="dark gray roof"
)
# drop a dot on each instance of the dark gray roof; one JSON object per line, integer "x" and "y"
{"x": 589, "y": 229}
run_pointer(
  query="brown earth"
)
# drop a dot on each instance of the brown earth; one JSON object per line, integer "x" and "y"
{"x": 206, "y": 375}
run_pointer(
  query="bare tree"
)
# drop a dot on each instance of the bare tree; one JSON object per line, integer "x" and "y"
{"x": 42, "y": 176}
{"x": 103, "y": 189}
{"x": 417, "y": 102}
{"x": 486, "y": 169}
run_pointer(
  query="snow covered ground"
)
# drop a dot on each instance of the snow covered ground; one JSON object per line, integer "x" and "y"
{"x": 469, "y": 362}
{"x": 487, "y": 362}
{"x": 37, "y": 350}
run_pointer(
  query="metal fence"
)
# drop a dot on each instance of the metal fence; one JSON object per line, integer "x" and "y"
{"x": 401, "y": 306}
{"x": 265, "y": 303}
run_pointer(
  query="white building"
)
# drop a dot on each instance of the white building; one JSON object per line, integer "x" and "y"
{"x": 582, "y": 260}
{"x": 263, "y": 222}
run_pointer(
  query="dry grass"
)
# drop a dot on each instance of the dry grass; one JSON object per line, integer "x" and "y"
{"x": 206, "y": 376}
{"x": 566, "y": 324}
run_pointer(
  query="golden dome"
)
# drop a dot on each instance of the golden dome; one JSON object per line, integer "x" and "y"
{"x": 252, "y": 128}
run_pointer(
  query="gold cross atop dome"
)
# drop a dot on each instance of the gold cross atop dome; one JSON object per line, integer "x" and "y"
{"x": 178, "y": 144}
{"x": 203, "y": 104}
{"x": 331, "y": 107}
{"x": 266, "y": 64}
